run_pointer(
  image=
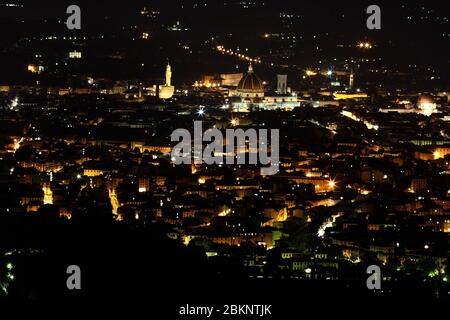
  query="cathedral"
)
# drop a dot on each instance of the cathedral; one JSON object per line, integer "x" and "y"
{"x": 250, "y": 94}
{"x": 250, "y": 88}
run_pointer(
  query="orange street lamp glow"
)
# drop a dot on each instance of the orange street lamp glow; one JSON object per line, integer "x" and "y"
{"x": 331, "y": 184}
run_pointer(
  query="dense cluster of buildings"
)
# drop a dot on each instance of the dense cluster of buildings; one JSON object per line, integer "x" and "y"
{"x": 357, "y": 182}
{"x": 364, "y": 137}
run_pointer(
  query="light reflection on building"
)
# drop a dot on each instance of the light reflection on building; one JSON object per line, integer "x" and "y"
{"x": 48, "y": 193}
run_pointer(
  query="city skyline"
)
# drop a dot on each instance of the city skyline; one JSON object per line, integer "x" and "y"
{"x": 233, "y": 158}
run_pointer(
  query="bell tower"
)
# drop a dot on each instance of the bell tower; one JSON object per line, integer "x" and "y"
{"x": 168, "y": 75}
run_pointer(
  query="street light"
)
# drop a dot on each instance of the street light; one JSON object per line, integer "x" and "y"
{"x": 331, "y": 184}
{"x": 201, "y": 111}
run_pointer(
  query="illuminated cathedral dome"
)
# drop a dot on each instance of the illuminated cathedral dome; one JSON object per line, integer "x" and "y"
{"x": 426, "y": 105}
{"x": 424, "y": 98}
{"x": 250, "y": 85}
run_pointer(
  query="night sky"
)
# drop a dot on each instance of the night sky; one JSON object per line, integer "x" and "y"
{"x": 412, "y": 35}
